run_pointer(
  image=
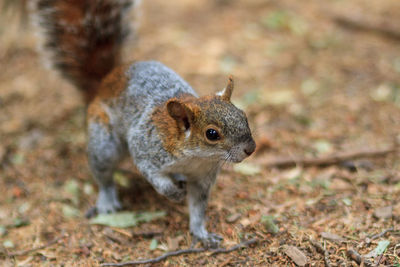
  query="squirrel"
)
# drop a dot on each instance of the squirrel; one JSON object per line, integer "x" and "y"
{"x": 176, "y": 139}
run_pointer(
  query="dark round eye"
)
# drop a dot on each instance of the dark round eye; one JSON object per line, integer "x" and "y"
{"x": 212, "y": 135}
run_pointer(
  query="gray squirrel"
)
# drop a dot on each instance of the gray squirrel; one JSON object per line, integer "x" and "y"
{"x": 177, "y": 140}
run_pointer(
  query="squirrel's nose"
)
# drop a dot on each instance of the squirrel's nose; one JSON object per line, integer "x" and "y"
{"x": 249, "y": 149}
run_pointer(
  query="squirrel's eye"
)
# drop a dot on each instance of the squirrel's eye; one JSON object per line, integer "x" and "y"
{"x": 212, "y": 135}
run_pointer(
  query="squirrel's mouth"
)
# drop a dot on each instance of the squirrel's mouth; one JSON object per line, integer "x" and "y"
{"x": 237, "y": 160}
{"x": 238, "y": 153}
{"x": 235, "y": 156}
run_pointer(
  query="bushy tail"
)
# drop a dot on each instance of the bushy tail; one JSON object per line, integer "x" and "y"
{"x": 84, "y": 38}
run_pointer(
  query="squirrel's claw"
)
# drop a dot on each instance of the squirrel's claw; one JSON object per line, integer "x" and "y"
{"x": 212, "y": 240}
{"x": 110, "y": 207}
{"x": 93, "y": 211}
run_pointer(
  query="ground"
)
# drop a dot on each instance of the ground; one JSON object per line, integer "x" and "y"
{"x": 316, "y": 78}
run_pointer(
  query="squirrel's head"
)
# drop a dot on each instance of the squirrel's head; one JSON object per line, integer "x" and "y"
{"x": 211, "y": 126}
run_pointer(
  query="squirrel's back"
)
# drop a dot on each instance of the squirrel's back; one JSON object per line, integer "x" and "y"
{"x": 84, "y": 38}
{"x": 152, "y": 81}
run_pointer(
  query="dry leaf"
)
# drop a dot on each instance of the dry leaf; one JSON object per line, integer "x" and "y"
{"x": 296, "y": 255}
{"x": 332, "y": 237}
{"x": 233, "y": 217}
{"x": 245, "y": 222}
{"x": 173, "y": 243}
{"x": 383, "y": 212}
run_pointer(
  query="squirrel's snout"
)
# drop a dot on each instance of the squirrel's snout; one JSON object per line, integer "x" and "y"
{"x": 242, "y": 151}
{"x": 250, "y": 148}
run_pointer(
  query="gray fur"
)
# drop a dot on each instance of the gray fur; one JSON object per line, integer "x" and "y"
{"x": 150, "y": 85}
{"x": 105, "y": 150}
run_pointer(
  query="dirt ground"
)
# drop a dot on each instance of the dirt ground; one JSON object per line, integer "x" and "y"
{"x": 316, "y": 78}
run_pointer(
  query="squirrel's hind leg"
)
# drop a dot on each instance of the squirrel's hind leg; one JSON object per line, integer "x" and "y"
{"x": 104, "y": 152}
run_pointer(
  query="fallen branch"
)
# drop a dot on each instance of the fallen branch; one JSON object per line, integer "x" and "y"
{"x": 24, "y": 252}
{"x": 382, "y": 26}
{"x": 330, "y": 160}
{"x": 322, "y": 251}
{"x": 369, "y": 239}
{"x": 184, "y": 251}
{"x": 355, "y": 256}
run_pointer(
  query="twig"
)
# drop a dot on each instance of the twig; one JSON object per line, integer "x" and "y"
{"x": 379, "y": 260}
{"x": 27, "y": 251}
{"x": 158, "y": 259}
{"x": 355, "y": 256}
{"x": 330, "y": 160}
{"x": 235, "y": 247}
{"x": 369, "y": 239}
{"x": 184, "y": 251}
{"x": 321, "y": 250}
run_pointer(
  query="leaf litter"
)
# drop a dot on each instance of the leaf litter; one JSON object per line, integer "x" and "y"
{"x": 309, "y": 92}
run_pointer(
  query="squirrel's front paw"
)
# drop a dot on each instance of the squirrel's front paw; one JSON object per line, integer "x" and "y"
{"x": 168, "y": 188}
{"x": 210, "y": 240}
{"x": 176, "y": 194}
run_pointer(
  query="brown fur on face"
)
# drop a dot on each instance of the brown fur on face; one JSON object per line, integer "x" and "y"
{"x": 200, "y": 113}
{"x": 170, "y": 121}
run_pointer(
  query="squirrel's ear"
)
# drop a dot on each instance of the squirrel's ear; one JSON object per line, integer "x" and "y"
{"x": 227, "y": 92}
{"x": 181, "y": 112}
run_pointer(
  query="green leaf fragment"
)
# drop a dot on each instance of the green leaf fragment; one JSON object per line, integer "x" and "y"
{"x": 19, "y": 222}
{"x": 88, "y": 189}
{"x": 150, "y": 216}
{"x": 18, "y": 159}
{"x": 347, "y": 201}
{"x": 72, "y": 188}
{"x": 382, "y": 245}
{"x": 121, "y": 219}
{"x": 275, "y": 20}
{"x": 269, "y": 224}
{"x": 309, "y": 86}
{"x": 121, "y": 179}
{"x": 153, "y": 244}
{"x": 24, "y": 207}
{"x": 323, "y": 146}
{"x": 3, "y": 230}
{"x": 70, "y": 212}
{"x": 126, "y": 219}
{"x": 8, "y": 244}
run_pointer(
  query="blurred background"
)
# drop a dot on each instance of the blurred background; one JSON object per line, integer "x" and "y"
{"x": 316, "y": 78}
